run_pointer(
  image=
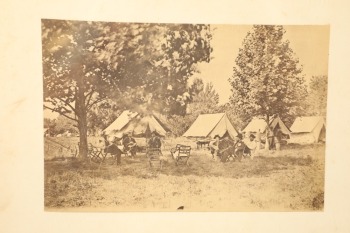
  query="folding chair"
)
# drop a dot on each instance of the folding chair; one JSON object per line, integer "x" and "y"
{"x": 154, "y": 155}
{"x": 95, "y": 154}
{"x": 181, "y": 152}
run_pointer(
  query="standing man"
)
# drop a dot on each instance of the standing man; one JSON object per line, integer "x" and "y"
{"x": 258, "y": 140}
{"x": 270, "y": 138}
{"x": 214, "y": 146}
{"x": 278, "y": 138}
{"x": 250, "y": 146}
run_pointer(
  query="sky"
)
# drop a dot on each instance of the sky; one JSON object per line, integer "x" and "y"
{"x": 309, "y": 43}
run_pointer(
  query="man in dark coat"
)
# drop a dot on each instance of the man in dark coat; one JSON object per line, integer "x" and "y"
{"x": 112, "y": 148}
{"x": 129, "y": 144}
{"x": 154, "y": 141}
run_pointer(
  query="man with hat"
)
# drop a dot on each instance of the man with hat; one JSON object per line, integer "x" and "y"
{"x": 112, "y": 148}
{"x": 250, "y": 145}
{"x": 129, "y": 144}
{"x": 154, "y": 145}
{"x": 154, "y": 141}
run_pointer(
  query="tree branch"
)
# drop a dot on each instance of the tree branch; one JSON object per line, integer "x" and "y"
{"x": 55, "y": 110}
{"x": 68, "y": 104}
{"x": 89, "y": 98}
{"x": 88, "y": 107}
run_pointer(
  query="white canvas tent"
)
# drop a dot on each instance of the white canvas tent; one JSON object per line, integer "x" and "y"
{"x": 137, "y": 125}
{"x": 307, "y": 130}
{"x": 257, "y": 124}
{"x": 209, "y": 125}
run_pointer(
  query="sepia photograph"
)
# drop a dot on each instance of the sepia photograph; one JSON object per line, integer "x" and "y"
{"x": 167, "y": 117}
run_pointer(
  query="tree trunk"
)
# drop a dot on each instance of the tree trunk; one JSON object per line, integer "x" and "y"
{"x": 267, "y": 142}
{"x": 267, "y": 145}
{"x": 82, "y": 126}
{"x": 81, "y": 112}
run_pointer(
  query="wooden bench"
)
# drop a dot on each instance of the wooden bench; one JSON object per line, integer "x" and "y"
{"x": 181, "y": 153}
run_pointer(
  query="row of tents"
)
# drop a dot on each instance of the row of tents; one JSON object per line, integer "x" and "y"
{"x": 304, "y": 130}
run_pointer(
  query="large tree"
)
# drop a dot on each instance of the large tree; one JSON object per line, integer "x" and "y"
{"x": 267, "y": 79}
{"x": 204, "y": 98}
{"x": 86, "y": 63}
{"x": 317, "y": 99}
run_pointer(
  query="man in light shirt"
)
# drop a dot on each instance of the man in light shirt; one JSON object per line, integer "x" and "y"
{"x": 214, "y": 146}
{"x": 251, "y": 145}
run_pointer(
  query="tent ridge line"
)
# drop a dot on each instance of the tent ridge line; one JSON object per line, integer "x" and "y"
{"x": 217, "y": 124}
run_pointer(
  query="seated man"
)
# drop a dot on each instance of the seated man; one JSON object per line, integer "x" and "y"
{"x": 226, "y": 148}
{"x": 129, "y": 144}
{"x": 154, "y": 144}
{"x": 112, "y": 148}
{"x": 154, "y": 141}
{"x": 214, "y": 146}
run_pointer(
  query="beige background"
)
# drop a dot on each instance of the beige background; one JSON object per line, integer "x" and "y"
{"x": 21, "y": 114}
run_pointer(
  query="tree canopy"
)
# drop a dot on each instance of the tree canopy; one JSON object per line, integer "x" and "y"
{"x": 87, "y": 63}
{"x": 267, "y": 79}
{"x": 317, "y": 99}
{"x": 204, "y": 99}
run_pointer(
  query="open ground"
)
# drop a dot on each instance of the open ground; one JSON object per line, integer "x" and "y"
{"x": 288, "y": 180}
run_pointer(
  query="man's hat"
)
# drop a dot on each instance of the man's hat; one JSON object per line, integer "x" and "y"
{"x": 217, "y": 136}
{"x": 154, "y": 133}
{"x": 125, "y": 134}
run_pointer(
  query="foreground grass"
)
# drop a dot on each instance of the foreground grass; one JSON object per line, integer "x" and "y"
{"x": 291, "y": 180}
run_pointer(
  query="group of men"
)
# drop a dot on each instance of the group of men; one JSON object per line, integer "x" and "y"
{"x": 249, "y": 148}
{"x": 127, "y": 145}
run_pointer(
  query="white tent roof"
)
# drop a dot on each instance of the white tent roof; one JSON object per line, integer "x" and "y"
{"x": 257, "y": 124}
{"x": 148, "y": 123}
{"x": 277, "y": 121}
{"x": 210, "y": 125}
{"x": 135, "y": 124}
{"x": 306, "y": 124}
{"x": 120, "y": 122}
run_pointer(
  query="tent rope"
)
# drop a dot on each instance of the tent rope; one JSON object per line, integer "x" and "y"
{"x": 68, "y": 148}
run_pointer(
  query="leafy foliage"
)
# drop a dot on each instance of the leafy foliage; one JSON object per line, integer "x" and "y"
{"x": 63, "y": 124}
{"x": 88, "y": 63}
{"x": 204, "y": 100}
{"x": 235, "y": 116}
{"x": 267, "y": 79}
{"x": 50, "y": 125}
{"x": 317, "y": 99}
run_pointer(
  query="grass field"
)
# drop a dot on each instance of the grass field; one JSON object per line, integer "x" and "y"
{"x": 289, "y": 180}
